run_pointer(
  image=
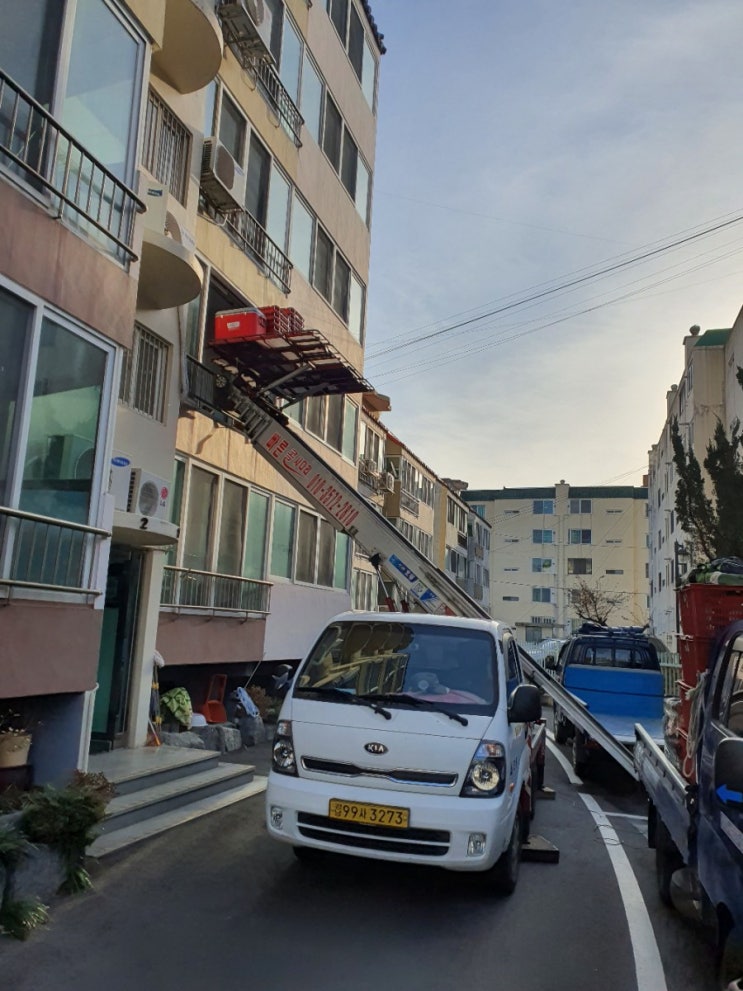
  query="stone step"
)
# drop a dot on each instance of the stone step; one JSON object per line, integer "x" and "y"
{"x": 164, "y": 796}
{"x": 144, "y": 767}
{"x": 117, "y": 839}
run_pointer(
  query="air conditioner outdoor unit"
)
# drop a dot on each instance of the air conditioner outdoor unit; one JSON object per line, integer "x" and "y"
{"x": 222, "y": 178}
{"x": 148, "y": 494}
{"x": 388, "y": 481}
{"x": 247, "y": 26}
{"x": 368, "y": 465}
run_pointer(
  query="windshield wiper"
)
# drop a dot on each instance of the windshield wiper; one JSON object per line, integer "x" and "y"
{"x": 342, "y": 696}
{"x": 412, "y": 700}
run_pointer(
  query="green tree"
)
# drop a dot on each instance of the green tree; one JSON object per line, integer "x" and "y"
{"x": 714, "y": 522}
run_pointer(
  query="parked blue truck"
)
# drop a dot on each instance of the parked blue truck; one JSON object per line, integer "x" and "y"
{"x": 614, "y": 672}
{"x": 695, "y": 808}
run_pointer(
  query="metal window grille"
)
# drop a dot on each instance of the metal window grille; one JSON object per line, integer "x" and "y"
{"x": 167, "y": 147}
{"x": 144, "y": 375}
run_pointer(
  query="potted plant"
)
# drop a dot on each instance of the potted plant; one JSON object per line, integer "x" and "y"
{"x": 15, "y": 739}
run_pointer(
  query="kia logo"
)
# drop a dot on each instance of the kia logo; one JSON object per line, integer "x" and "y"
{"x": 375, "y": 748}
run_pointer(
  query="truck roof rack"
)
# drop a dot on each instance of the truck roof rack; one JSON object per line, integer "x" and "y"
{"x": 597, "y": 629}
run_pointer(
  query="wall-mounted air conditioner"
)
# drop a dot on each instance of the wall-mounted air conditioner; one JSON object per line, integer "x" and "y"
{"x": 368, "y": 466}
{"x": 387, "y": 481}
{"x": 148, "y": 494}
{"x": 138, "y": 491}
{"x": 222, "y": 178}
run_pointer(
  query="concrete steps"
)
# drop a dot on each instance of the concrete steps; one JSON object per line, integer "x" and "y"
{"x": 160, "y": 788}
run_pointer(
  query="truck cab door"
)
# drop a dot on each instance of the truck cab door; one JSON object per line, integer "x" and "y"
{"x": 720, "y": 839}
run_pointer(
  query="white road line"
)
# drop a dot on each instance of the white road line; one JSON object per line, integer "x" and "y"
{"x": 625, "y": 815}
{"x": 648, "y": 965}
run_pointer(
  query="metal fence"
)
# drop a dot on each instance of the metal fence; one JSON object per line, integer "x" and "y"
{"x": 185, "y": 588}
{"x": 167, "y": 147}
{"x": 44, "y": 553}
{"x": 40, "y": 151}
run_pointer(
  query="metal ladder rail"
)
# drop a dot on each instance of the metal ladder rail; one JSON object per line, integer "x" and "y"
{"x": 343, "y": 506}
{"x": 579, "y": 715}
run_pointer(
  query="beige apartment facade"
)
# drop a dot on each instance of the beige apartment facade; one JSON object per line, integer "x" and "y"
{"x": 194, "y": 157}
{"x": 546, "y": 541}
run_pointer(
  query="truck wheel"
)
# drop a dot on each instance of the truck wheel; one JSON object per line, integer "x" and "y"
{"x": 562, "y": 730}
{"x": 580, "y": 758}
{"x": 504, "y": 873}
{"x": 667, "y": 861}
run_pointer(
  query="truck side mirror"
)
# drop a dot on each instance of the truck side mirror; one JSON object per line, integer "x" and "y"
{"x": 525, "y": 704}
{"x": 282, "y": 679}
{"x": 729, "y": 772}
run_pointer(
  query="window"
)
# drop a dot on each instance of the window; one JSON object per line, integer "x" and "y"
{"x": 197, "y": 540}
{"x": 364, "y": 591}
{"x": 577, "y": 506}
{"x": 580, "y": 566}
{"x": 256, "y": 190}
{"x": 54, "y": 380}
{"x": 277, "y": 220}
{"x": 232, "y": 128}
{"x": 510, "y": 598}
{"x": 255, "y": 546}
{"x": 143, "y": 383}
{"x": 311, "y": 98}
{"x": 579, "y": 536}
{"x": 731, "y": 695}
{"x": 231, "y": 529}
{"x": 333, "y": 133}
{"x": 323, "y": 271}
{"x": 301, "y": 238}
{"x": 615, "y": 571}
{"x": 541, "y": 563}
{"x": 349, "y": 25}
{"x": 334, "y": 419}
{"x": 541, "y": 595}
{"x": 543, "y": 536}
{"x": 543, "y": 507}
{"x": 282, "y": 540}
{"x": 616, "y": 541}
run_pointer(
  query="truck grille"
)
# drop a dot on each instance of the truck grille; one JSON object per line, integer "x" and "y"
{"x": 440, "y": 779}
{"x": 423, "y": 842}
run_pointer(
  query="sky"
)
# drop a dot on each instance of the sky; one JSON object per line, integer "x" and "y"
{"x": 537, "y": 165}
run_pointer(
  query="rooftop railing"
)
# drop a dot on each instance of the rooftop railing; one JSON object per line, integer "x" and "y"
{"x": 39, "y": 552}
{"x": 34, "y": 146}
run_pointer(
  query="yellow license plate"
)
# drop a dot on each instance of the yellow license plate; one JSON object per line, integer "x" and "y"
{"x": 367, "y": 812}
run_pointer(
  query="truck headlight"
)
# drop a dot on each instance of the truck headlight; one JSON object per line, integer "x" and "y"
{"x": 283, "y": 758}
{"x": 486, "y": 776}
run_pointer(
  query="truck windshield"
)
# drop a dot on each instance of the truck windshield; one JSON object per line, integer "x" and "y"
{"x": 447, "y": 665}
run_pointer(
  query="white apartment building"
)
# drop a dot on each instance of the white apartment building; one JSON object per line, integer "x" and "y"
{"x": 707, "y": 391}
{"x": 545, "y": 541}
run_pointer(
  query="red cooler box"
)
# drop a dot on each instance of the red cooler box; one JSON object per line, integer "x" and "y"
{"x": 235, "y": 326}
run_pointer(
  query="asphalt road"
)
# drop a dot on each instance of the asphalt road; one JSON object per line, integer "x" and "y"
{"x": 216, "y": 904}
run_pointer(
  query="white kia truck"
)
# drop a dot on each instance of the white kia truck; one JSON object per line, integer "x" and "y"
{"x": 413, "y": 738}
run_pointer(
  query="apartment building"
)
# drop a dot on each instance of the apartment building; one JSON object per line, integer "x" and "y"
{"x": 707, "y": 392}
{"x": 162, "y": 161}
{"x": 546, "y": 541}
{"x": 374, "y": 482}
{"x": 474, "y": 544}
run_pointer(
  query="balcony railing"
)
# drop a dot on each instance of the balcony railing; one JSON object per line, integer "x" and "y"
{"x": 255, "y": 242}
{"x": 167, "y": 147}
{"x": 202, "y": 384}
{"x": 278, "y": 97}
{"x": 43, "y": 553}
{"x": 207, "y": 591}
{"x": 38, "y": 149}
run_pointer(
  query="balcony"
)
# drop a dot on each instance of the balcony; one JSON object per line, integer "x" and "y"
{"x": 206, "y": 591}
{"x": 247, "y": 42}
{"x": 38, "y": 552}
{"x": 192, "y": 45}
{"x": 409, "y": 502}
{"x": 253, "y": 240}
{"x": 169, "y": 274}
{"x": 77, "y": 187}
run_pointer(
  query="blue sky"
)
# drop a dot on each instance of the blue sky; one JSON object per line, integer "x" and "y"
{"x": 526, "y": 145}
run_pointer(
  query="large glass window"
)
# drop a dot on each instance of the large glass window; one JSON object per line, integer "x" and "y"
{"x": 231, "y": 529}
{"x": 340, "y": 567}
{"x": 323, "y": 272}
{"x": 350, "y": 420}
{"x": 291, "y": 60}
{"x": 259, "y": 169}
{"x": 333, "y": 132}
{"x": 29, "y": 44}
{"x": 361, "y": 199}
{"x": 326, "y": 554}
{"x": 312, "y": 98}
{"x": 199, "y": 520}
{"x": 232, "y": 128}
{"x": 282, "y": 540}
{"x": 60, "y": 455}
{"x": 306, "y": 547}
{"x": 278, "y": 208}
{"x": 103, "y": 85}
{"x": 300, "y": 241}
{"x": 14, "y": 320}
{"x": 356, "y": 308}
{"x": 255, "y": 548}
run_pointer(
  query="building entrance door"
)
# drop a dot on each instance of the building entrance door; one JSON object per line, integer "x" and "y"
{"x": 111, "y": 709}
